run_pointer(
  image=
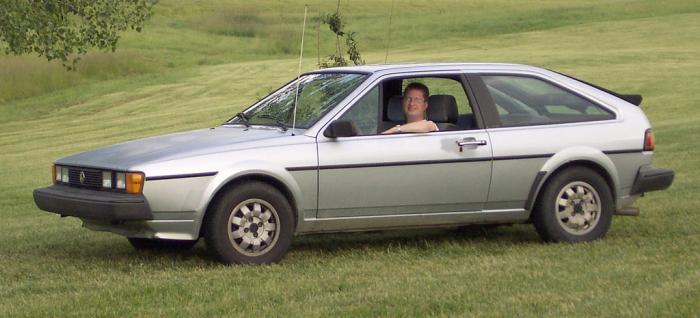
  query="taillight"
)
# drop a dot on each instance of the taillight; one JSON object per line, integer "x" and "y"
{"x": 649, "y": 140}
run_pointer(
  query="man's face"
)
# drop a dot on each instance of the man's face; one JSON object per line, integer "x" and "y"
{"x": 414, "y": 103}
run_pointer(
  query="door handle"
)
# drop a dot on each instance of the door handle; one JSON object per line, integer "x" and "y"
{"x": 469, "y": 141}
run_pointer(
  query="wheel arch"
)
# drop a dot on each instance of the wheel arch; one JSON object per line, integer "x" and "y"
{"x": 592, "y": 159}
{"x": 278, "y": 183}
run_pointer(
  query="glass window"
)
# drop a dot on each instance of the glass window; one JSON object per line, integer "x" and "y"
{"x": 452, "y": 87}
{"x": 318, "y": 94}
{"x": 365, "y": 113}
{"x": 445, "y": 86}
{"x": 524, "y": 101}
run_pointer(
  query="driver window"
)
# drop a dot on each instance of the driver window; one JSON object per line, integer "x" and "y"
{"x": 365, "y": 113}
{"x": 450, "y": 87}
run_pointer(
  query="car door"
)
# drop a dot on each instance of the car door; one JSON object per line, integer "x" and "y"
{"x": 402, "y": 174}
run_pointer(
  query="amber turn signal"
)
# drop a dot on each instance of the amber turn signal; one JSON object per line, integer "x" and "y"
{"x": 134, "y": 182}
{"x": 649, "y": 140}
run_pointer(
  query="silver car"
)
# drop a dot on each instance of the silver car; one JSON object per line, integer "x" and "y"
{"x": 514, "y": 144}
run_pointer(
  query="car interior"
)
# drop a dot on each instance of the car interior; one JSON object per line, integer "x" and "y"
{"x": 519, "y": 101}
{"x": 448, "y": 104}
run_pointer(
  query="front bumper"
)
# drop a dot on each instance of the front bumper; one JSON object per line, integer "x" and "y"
{"x": 92, "y": 204}
{"x": 651, "y": 179}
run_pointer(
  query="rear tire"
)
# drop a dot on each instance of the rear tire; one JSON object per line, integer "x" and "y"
{"x": 143, "y": 244}
{"x": 575, "y": 205}
{"x": 252, "y": 223}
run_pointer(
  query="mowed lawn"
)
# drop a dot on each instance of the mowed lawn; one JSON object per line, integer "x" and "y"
{"x": 646, "y": 266}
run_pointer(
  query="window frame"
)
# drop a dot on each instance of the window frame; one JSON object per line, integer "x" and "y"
{"x": 456, "y": 75}
{"x": 489, "y": 108}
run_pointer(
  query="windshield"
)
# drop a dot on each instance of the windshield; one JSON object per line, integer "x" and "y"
{"x": 318, "y": 94}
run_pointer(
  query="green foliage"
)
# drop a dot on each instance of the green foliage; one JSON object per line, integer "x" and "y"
{"x": 336, "y": 25}
{"x": 183, "y": 34}
{"x": 353, "y": 51}
{"x": 66, "y": 29}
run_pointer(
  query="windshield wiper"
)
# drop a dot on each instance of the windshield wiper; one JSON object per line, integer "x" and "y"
{"x": 243, "y": 118}
{"x": 278, "y": 122}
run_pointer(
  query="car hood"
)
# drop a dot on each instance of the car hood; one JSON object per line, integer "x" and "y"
{"x": 174, "y": 146}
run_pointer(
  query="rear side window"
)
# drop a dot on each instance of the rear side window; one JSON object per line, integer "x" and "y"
{"x": 523, "y": 101}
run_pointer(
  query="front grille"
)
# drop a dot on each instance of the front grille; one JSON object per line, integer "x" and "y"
{"x": 92, "y": 178}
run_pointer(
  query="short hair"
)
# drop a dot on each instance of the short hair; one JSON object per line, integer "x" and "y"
{"x": 418, "y": 86}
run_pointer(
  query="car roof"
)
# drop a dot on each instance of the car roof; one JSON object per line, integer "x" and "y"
{"x": 400, "y": 68}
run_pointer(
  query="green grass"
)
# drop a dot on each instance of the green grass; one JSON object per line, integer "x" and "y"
{"x": 196, "y": 64}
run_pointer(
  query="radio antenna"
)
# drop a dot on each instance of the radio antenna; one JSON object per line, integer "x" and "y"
{"x": 301, "y": 55}
{"x": 388, "y": 37}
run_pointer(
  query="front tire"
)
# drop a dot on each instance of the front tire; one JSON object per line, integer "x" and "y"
{"x": 251, "y": 223}
{"x": 576, "y": 205}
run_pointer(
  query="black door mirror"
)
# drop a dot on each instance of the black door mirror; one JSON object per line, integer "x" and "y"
{"x": 340, "y": 128}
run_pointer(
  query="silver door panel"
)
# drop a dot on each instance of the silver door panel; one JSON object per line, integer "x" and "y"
{"x": 402, "y": 174}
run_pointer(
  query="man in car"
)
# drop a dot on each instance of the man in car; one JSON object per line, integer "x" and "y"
{"x": 415, "y": 104}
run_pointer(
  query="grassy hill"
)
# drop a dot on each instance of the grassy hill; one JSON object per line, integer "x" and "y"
{"x": 198, "y": 63}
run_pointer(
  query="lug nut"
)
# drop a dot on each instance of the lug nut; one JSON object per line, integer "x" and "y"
{"x": 245, "y": 230}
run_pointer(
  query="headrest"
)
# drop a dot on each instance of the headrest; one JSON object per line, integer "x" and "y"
{"x": 394, "y": 111}
{"x": 442, "y": 109}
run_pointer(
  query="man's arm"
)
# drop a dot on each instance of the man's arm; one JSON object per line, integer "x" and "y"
{"x": 414, "y": 127}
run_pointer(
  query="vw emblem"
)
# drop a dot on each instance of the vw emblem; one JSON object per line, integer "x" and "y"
{"x": 82, "y": 177}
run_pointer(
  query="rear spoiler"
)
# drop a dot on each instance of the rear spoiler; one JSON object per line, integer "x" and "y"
{"x": 635, "y": 99}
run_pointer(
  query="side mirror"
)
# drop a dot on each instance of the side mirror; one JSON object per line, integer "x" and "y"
{"x": 340, "y": 128}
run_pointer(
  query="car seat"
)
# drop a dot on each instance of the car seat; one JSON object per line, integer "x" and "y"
{"x": 442, "y": 109}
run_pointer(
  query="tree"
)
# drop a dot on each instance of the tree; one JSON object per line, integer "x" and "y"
{"x": 336, "y": 25}
{"x": 66, "y": 29}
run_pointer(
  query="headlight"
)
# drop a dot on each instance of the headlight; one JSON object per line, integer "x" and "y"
{"x": 64, "y": 174}
{"x": 60, "y": 174}
{"x": 121, "y": 180}
{"x": 107, "y": 179}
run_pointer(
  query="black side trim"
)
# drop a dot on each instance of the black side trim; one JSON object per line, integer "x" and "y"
{"x": 616, "y": 152}
{"x": 533, "y": 189}
{"x": 544, "y": 155}
{"x": 402, "y": 163}
{"x": 432, "y": 162}
{"x": 302, "y": 168}
{"x": 182, "y": 176}
{"x": 412, "y": 163}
